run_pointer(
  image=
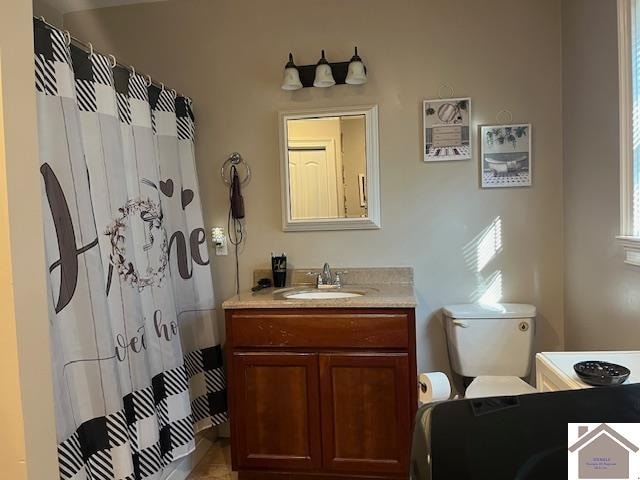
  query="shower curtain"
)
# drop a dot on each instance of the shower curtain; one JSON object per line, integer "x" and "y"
{"x": 136, "y": 363}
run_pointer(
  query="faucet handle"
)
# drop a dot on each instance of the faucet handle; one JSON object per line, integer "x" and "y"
{"x": 337, "y": 279}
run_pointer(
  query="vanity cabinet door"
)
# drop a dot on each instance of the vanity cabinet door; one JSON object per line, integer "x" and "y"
{"x": 276, "y": 400}
{"x": 366, "y": 412}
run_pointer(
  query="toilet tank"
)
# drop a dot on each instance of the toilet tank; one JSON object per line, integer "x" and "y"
{"x": 495, "y": 339}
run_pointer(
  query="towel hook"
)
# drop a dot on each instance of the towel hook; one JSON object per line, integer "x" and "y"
{"x": 67, "y": 37}
{"x": 114, "y": 62}
{"x": 90, "y": 49}
{"x": 149, "y": 82}
{"x": 236, "y": 160}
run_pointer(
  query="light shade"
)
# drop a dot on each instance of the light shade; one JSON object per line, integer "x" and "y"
{"x": 324, "y": 75}
{"x": 356, "y": 74}
{"x": 291, "y": 79}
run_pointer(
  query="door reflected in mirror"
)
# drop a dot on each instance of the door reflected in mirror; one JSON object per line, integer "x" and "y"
{"x": 328, "y": 162}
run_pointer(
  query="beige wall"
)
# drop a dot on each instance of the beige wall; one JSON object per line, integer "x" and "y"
{"x": 354, "y": 161}
{"x": 229, "y": 56}
{"x": 326, "y": 129}
{"x": 348, "y": 135}
{"x": 602, "y": 292}
{"x": 43, "y": 8}
{"x": 27, "y": 436}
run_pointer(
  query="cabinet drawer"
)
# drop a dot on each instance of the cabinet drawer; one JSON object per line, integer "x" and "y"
{"x": 319, "y": 329}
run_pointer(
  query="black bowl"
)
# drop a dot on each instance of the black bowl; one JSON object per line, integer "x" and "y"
{"x": 601, "y": 374}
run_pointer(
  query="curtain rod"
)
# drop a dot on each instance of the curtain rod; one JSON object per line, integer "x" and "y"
{"x": 88, "y": 48}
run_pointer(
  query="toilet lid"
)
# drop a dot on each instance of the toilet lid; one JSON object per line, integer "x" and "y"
{"x": 489, "y": 386}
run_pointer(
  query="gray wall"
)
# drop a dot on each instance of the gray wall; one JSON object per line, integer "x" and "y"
{"x": 602, "y": 293}
{"x": 229, "y": 56}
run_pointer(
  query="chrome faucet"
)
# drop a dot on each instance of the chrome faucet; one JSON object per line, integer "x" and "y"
{"x": 326, "y": 279}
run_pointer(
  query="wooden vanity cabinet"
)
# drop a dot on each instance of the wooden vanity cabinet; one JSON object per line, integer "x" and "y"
{"x": 321, "y": 393}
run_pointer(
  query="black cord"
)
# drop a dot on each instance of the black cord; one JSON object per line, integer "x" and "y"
{"x": 237, "y": 237}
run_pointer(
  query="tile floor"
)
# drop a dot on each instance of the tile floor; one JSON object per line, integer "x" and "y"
{"x": 216, "y": 463}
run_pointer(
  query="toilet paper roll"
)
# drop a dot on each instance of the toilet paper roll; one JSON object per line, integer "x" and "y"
{"x": 433, "y": 387}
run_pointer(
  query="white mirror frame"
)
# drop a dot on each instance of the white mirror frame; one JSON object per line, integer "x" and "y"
{"x": 372, "y": 221}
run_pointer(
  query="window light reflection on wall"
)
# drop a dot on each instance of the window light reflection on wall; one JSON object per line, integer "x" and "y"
{"x": 489, "y": 244}
{"x": 493, "y": 292}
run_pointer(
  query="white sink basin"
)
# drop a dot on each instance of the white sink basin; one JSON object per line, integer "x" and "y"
{"x": 321, "y": 295}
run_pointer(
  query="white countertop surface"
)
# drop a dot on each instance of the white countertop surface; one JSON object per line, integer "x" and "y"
{"x": 562, "y": 363}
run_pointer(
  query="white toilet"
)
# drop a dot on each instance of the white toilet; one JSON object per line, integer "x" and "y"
{"x": 492, "y": 343}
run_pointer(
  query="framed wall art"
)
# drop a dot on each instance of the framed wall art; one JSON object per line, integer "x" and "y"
{"x": 505, "y": 155}
{"x": 446, "y": 129}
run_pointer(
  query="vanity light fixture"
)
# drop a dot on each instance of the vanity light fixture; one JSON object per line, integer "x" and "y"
{"x": 291, "y": 80}
{"x": 324, "y": 75}
{"x": 357, "y": 73}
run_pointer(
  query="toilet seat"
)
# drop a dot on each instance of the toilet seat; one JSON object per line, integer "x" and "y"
{"x": 497, "y": 386}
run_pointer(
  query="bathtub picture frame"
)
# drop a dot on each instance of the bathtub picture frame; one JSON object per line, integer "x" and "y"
{"x": 506, "y": 159}
{"x": 446, "y": 132}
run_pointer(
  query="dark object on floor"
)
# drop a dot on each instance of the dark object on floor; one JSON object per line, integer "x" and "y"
{"x": 262, "y": 284}
{"x": 601, "y": 374}
{"x": 525, "y": 441}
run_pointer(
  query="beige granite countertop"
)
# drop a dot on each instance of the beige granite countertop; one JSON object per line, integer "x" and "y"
{"x": 383, "y": 287}
{"x": 375, "y": 296}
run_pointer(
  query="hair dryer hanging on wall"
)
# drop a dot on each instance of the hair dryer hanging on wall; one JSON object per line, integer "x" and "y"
{"x": 231, "y": 176}
{"x": 236, "y": 173}
{"x": 237, "y": 202}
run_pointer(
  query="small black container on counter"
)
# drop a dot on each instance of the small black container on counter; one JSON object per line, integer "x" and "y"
{"x": 601, "y": 374}
{"x": 279, "y": 269}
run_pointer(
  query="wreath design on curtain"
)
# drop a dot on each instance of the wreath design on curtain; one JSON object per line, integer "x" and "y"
{"x": 151, "y": 214}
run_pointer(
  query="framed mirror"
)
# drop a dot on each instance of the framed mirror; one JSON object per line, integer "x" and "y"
{"x": 329, "y": 169}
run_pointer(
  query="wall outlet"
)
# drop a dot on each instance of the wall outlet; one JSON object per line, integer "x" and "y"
{"x": 221, "y": 248}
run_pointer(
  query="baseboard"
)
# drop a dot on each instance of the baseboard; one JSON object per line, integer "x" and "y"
{"x": 185, "y": 465}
